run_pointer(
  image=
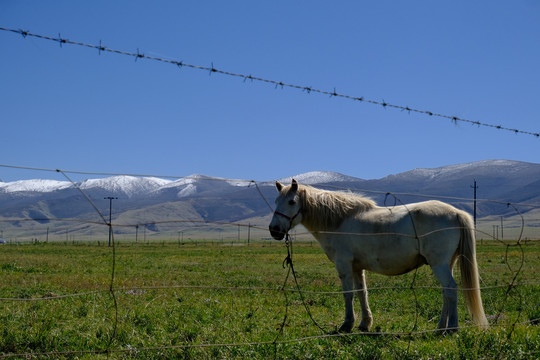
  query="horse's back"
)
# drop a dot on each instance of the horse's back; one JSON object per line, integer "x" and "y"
{"x": 395, "y": 240}
{"x": 416, "y": 219}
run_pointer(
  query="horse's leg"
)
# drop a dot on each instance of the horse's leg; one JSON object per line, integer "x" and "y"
{"x": 360, "y": 285}
{"x": 443, "y": 322}
{"x": 449, "y": 314}
{"x": 344, "y": 270}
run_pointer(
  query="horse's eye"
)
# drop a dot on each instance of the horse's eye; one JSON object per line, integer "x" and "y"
{"x": 292, "y": 202}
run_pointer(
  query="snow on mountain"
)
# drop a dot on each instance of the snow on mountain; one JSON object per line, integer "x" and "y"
{"x": 37, "y": 185}
{"x": 318, "y": 177}
{"x": 194, "y": 184}
{"x": 479, "y": 167}
{"x": 238, "y": 183}
{"x": 129, "y": 185}
{"x": 188, "y": 190}
{"x": 195, "y": 178}
{"x": 183, "y": 188}
{"x": 186, "y": 181}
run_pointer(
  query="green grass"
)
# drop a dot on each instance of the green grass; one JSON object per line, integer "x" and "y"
{"x": 186, "y": 301}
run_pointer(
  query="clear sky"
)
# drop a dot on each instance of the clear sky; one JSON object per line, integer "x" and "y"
{"x": 71, "y": 108}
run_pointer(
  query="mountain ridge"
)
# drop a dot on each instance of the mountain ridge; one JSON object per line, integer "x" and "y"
{"x": 207, "y": 199}
{"x": 135, "y": 185}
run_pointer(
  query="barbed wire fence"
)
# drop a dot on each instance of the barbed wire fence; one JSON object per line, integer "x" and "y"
{"x": 277, "y": 84}
{"x": 512, "y": 288}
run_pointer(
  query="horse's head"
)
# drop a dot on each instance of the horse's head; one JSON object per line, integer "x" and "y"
{"x": 288, "y": 210}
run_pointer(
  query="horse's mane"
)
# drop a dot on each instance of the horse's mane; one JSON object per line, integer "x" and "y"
{"x": 322, "y": 209}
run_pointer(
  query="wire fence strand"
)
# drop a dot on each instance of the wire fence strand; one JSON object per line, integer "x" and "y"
{"x": 308, "y": 89}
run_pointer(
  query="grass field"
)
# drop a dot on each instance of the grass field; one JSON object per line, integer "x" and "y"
{"x": 223, "y": 301}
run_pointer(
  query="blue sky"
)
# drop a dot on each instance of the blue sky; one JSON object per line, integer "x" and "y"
{"x": 70, "y": 108}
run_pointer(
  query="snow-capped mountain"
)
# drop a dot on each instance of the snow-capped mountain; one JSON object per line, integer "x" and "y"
{"x": 127, "y": 185}
{"x": 40, "y": 186}
{"x": 199, "y": 197}
{"x": 496, "y": 179}
{"x": 489, "y": 167}
{"x": 319, "y": 177}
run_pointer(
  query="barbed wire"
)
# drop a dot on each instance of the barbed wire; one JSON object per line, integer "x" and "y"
{"x": 308, "y": 89}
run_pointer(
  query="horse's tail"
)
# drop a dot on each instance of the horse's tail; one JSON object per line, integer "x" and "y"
{"x": 469, "y": 271}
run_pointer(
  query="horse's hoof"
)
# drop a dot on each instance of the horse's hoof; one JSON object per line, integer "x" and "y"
{"x": 345, "y": 328}
{"x": 447, "y": 332}
{"x": 363, "y": 328}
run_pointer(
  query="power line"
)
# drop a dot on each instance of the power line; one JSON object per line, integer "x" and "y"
{"x": 138, "y": 55}
{"x": 110, "y": 198}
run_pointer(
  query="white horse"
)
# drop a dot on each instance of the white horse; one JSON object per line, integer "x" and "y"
{"x": 357, "y": 235}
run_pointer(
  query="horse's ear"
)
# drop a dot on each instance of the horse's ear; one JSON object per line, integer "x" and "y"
{"x": 294, "y": 185}
{"x": 279, "y": 186}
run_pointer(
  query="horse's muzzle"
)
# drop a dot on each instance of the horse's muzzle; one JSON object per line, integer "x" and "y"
{"x": 276, "y": 233}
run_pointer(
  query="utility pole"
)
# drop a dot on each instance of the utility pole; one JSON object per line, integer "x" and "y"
{"x": 496, "y": 232}
{"x": 180, "y": 233}
{"x": 110, "y": 198}
{"x": 502, "y": 229}
{"x": 474, "y": 214}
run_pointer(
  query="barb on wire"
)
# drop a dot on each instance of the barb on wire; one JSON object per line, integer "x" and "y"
{"x": 308, "y": 89}
{"x": 100, "y": 48}
{"x": 60, "y": 40}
